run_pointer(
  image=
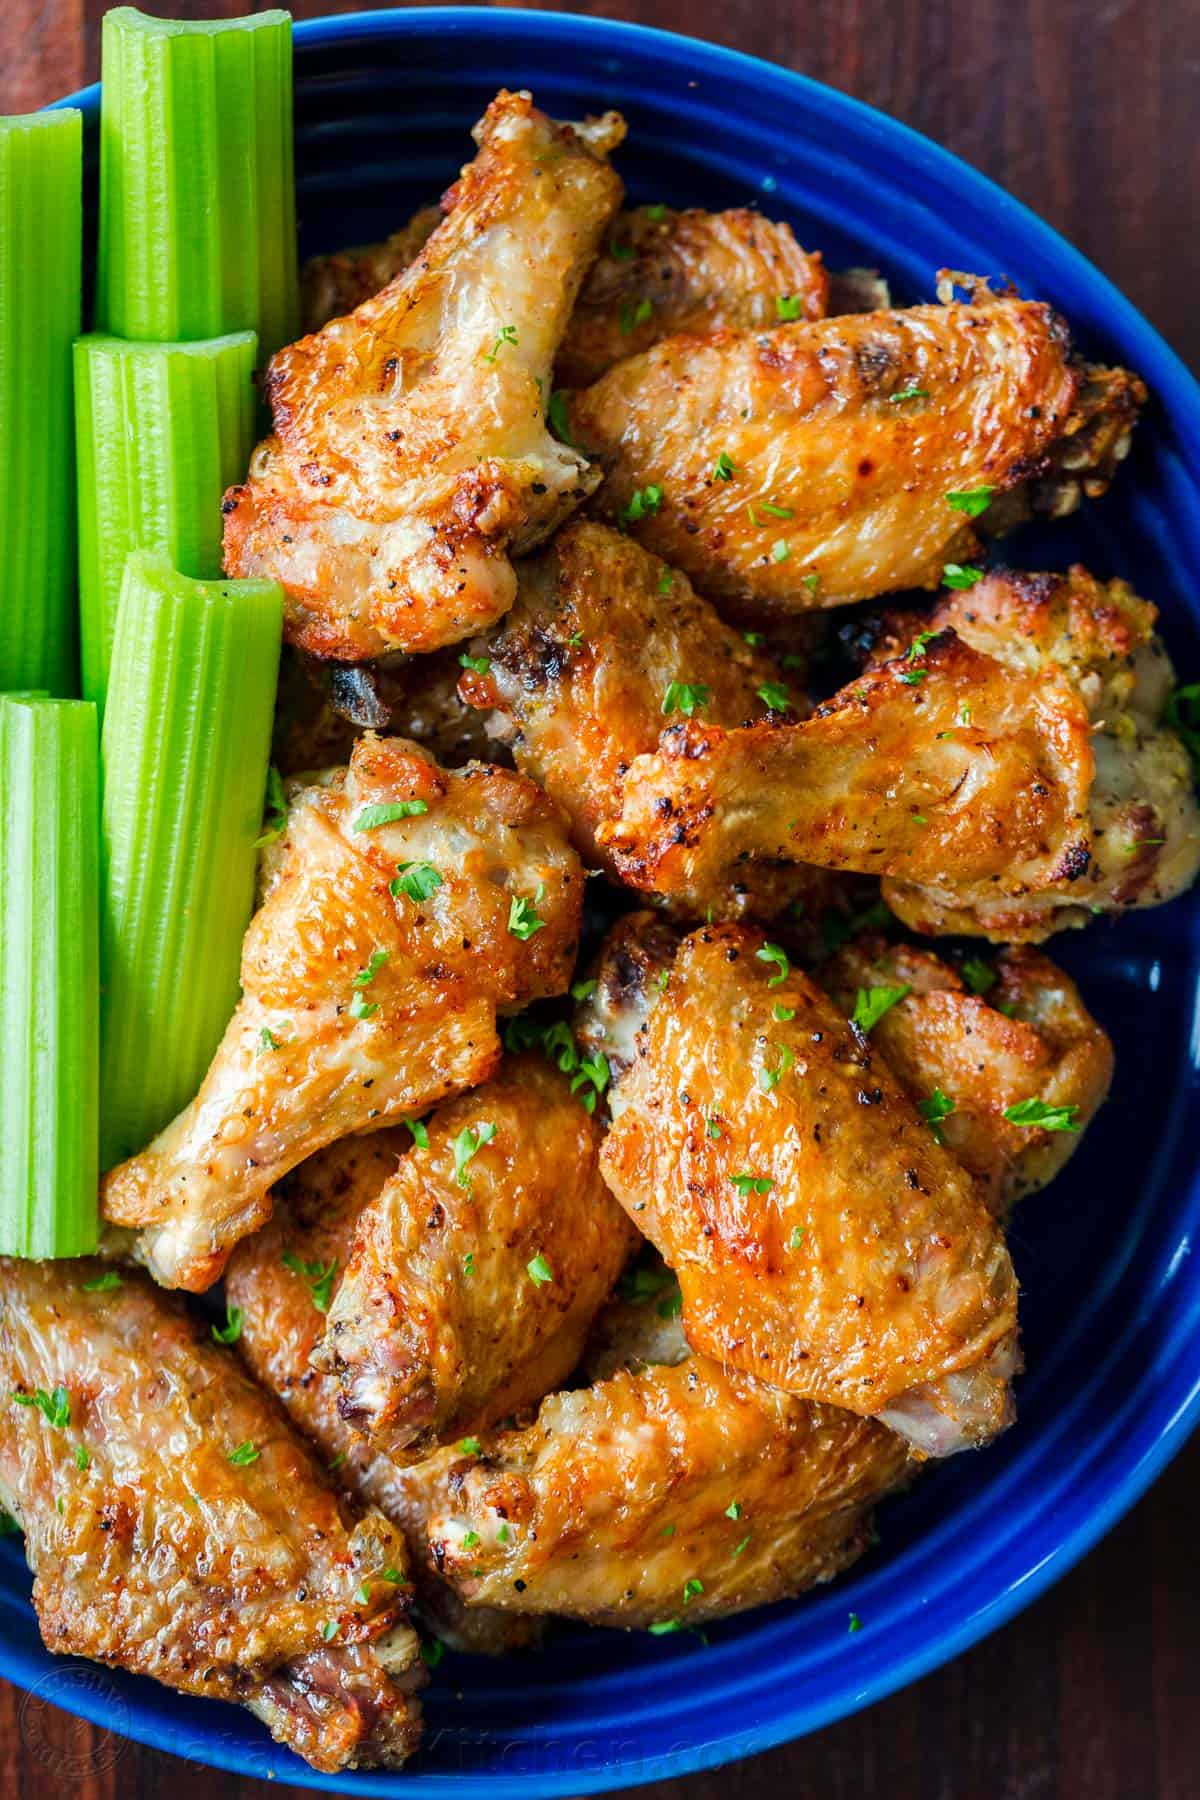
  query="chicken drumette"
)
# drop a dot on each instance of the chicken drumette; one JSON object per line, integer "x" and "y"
{"x": 176, "y": 1528}
{"x": 404, "y": 907}
{"x": 410, "y": 458}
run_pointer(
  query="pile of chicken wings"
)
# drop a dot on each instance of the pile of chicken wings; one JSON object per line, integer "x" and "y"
{"x": 606, "y": 1248}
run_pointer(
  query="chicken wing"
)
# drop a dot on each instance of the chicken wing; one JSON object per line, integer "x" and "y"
{"x": 410, "y": 458}
{"x": 856, "y": 449}
{"x": 605, "y": 643}
{"x": 404, "y": 907}
{"x": 973, "y": 1048}
{"x": 336, "y": 283}
{"x": 478, "y": 1266}
{"x": 176, "y": 1528}
{"x": 660, "y": 1496}
{"x": 1143, "y": 841}
{"x": 281, "y": 1283}
{"x": 823, "y": 1239}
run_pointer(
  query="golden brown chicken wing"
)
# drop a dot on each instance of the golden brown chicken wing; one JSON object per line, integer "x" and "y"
{"x": 660, "y": 1496}
{"x": 478, "y": 1266}
{"x": 335, "y": 283}
{"x": 823, "y": 1239}
{"x": 986, "y": 1054}
{"x": 176, "y": 1528}
{"x": 840, "y": 459}
{"x": 405, "y": 906}
{"x": 411, "y": 458}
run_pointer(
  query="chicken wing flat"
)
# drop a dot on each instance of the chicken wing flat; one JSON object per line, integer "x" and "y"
{"x": 405, "y": 906}
{"x": 659, "y": 1496}
{"x": 823, "y": 1239}
{"x": 410, "y": 458}
{"x": 282, "y": 1281}
{"x": 176, "y": 1528}
{"x": 604, "y": 645}
{"x": 836, "y": 460}
{"x": 478, "y": 1266}
{"x": 1143, "y": 840}
{"x": 973, "y": 1048}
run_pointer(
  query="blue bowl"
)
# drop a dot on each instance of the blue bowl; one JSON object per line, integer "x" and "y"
{"x": 1111, "y": 1301}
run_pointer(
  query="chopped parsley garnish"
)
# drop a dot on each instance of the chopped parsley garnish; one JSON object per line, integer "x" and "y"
{"x": 780, "y": 551}
{"x": 692, "y": 1588}
{"x": 663, "y": 979}
{"x": 103, "y": 1284}
{"x": 1040, "y": 1115}
{"x": 363, "y": 1009}
{"x": 366, "y": 976}
{"x": 734, "y": 1510}
{"x": 55, "y": 1407}
{"x": 657, "y": 212}
{"x": 470, "y": 1446}
{"x": 319, "y": 1276}
{"x": 231, "y": 1330}
{"x": 336, "y": 1462}
{"x": 908, "y": 393}
{"x": 855, "y": 1623}
{"x": 978, "y": 976}
{"x": 523, "y": 920}
{"x": 870, "y": 1004}
{"x": 468, "y": 1265}
{"x": 781, "y": 1014}
{"x": 274, "y": 810}
{"x": 393, "y": 1576}
{"x": 507, "y": 334}
{"x": 502, "y": 1535}
{"x": 467, "y": 1146}
{"x": 745, "y": 1543}
{"x": 671, "y": 1305}
{"x": 329, "y": 1630}
{"x": 755, "y": 639}
{"x": 752, "y": 1184}
{"x": 771, "y": 511}
{"x": 480, "y": 664}
{"x": 712, "y": 1127}
{"x": 788, "y": 308}
{"x": 666, "y": 582}
{"x": 643, "y": 502}
{"x": 420, "y": 1134}
{"x": 245, "y": 1454}
{"x": 770, "y": 1078}
{"x": 416, "y": 880}
{"x": 539, "y": 1271}
{"x": 939, "y": 1106}
{"x": 640, "y": 1285}
{"x": 556, "y": 417}
{"x": 432, "y": 1652}
{"x": 797, "y": 1237}
{"x": 583, "y": 990}
{"x": 961, "y": 575}
{"x": 667, "y": 1531}
{"x": 723, "y": 467}
{"x": 917, "y": 647}
{"x": 387, "y": 812}
{"x": 470, "y": 1540}
{"x": 593, "y": 1070}
{"x": 82, "y": 1459}
{"x": 913, "y": 677}
{"x": 620, "y": 252}
{"x": 971, "y": 501}
{"x": 634, "y": 313}
{"x": 687, "y": 697}
{"x": 812, "y": 583}
{"x": 575, "y": 641}
{"x": 661, "y": 1627}
{"x": 773, "y": 694}
{"x": 266, "y": 1040}
{"x": 771, "y": 953}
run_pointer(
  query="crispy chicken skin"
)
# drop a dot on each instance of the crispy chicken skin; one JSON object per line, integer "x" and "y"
{"x": 866, "y": 1273}
{"x": 677, "y": 1491}
{"x": 360, "y": 1005}
{"x": 1143, "y": 841}
{"x": 845, "y": 436}
{"x": 410, "y": 459}
{"x": 335, "y": 283}
{"x": 579, "y": 676}
{"x": 316, "y": 1210}
{"x": 176, "y": 1528}
{"x": 470, "y": 1286}
{"x": 1026, "y": 1036}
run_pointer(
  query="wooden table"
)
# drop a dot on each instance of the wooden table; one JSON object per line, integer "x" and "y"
{"x": 1087, "y": 110}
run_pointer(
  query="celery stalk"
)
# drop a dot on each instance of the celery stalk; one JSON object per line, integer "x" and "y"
{"x": 162, "y": 431}
{"x": 184, "y": 751}
{"x": 197, "y": 199}
{"x": 49, "y": 976}
{"x": 41, "y": 224}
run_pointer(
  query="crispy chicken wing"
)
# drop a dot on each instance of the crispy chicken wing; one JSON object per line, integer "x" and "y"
{"x": 282, "y": 1281}
{"x": 1143, "y": 842}
{"x": 410, "y": 458}
{"x": 604, "y": 644}
{"x": 176, "y": 1528}
{"x": 970, "y": 1050}
{"x": 843, "y": 439}
{"x": 478, "y": 1266}
{"x": 670, "y": 1493}
{"x": 405, "y": 906}
{"x": 823, "y": 1239}
{"x": 339, "y": 281}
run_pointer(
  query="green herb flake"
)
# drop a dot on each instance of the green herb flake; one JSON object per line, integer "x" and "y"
{"x": 723, "y": 469}
{"x": 667, "y": 1531}
{"x": 274, "y": 810}
{"x": 734, "y": 1510}
{"x": 507, "y": 334}
{"x": 774, "y": 695}
{"x": 231, "y": 1330}
{"x": 329, "y": 1630}
{"x": 103, "y": 1284}
{"x": 470, "y": 1540}
{"x": 671, "y": 1305}
{"x": 686, "y": 697}
{"x": 908, "y": 393}
{"x": 539, "y": 1271}
{"x": 319, "y": 1276}
{"x": 693, "y": 1587}
{"x": 854, "y": 1624}
{"x": 466, "y": 1147}
{"x": 939, "y": 1106}
{"x": 634, "y": 313}
{"x": 657, "y": 212}
{"x": 523, "y": 920}
{"x": 978, "y": 976}
{"x": 971, "y": 501}
{"x": 782, "y": 1014}
{"x": 620, "y": 252}
{"x": 54, "y": 1407}
{"x": 770, "y": 1078}
{"x": 752, "y": 1184}
{"x": 556, "y": 417}
{"x": 713, "y": 1127}
{"x": 961, "y": 575}
{"x": 662, "y": 1627}
{"x": 744, "y": 1545}
{"x": 470, "y": 1446}
{"x": 363, "y": 1009}
{"x": 1040, "y": 1115}
{"x": 797, "y": 1238}
{"x": 416, "y": 880}
{"x": 666, "y": 582}
{"x": 378, "y": 959}
{"x": 387, "y": 812}
{"x": 779, "y": 551}
{"x": 480, "y": 664}
{"x": 468, "y": 1265}
{"x": 788, "y": 308}
{"x": 502, "y": 1534}
{"x": 432, "y": 1652}
{"x": 266, "y": 1041}
{"x": 870, "y": 1005}
{"x": 812, "y": 583}
{"x": 771, "y": 953}
{"x": 82, "y": 1459}
{"x": 583, "y": 990}
{"x": 245, "y": 1454}
{"x": 642, "y": 504}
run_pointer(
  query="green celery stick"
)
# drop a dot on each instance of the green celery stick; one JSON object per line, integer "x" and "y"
{"x": 162, "y": 430}
{"x": 41, "y": 226}
{"x": 197, "y": 197}
{"x": 49, "y": 976}
{"x": 187, "y": 730}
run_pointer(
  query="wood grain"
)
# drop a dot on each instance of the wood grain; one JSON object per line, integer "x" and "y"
{"x": 1087, "y": 110}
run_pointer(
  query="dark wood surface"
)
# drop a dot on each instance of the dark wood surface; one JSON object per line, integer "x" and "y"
{"x": 1089, "y": 111}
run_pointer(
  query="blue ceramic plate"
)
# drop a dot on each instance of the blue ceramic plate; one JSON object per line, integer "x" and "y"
{"x": 1111, "y": 1302}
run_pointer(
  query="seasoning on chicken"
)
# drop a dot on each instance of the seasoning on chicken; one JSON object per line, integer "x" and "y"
{"x": 859, "y": 449}
{"x": 405, "y": 906}
{"x": 176, "y": 1528}
{"x": 479, "y": 1265}
{"x": 823, "y": 1239}
{"x": 411, "y": 459}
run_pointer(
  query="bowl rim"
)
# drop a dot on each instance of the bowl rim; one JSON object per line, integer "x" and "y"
{"x": 1178, "y": 391}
